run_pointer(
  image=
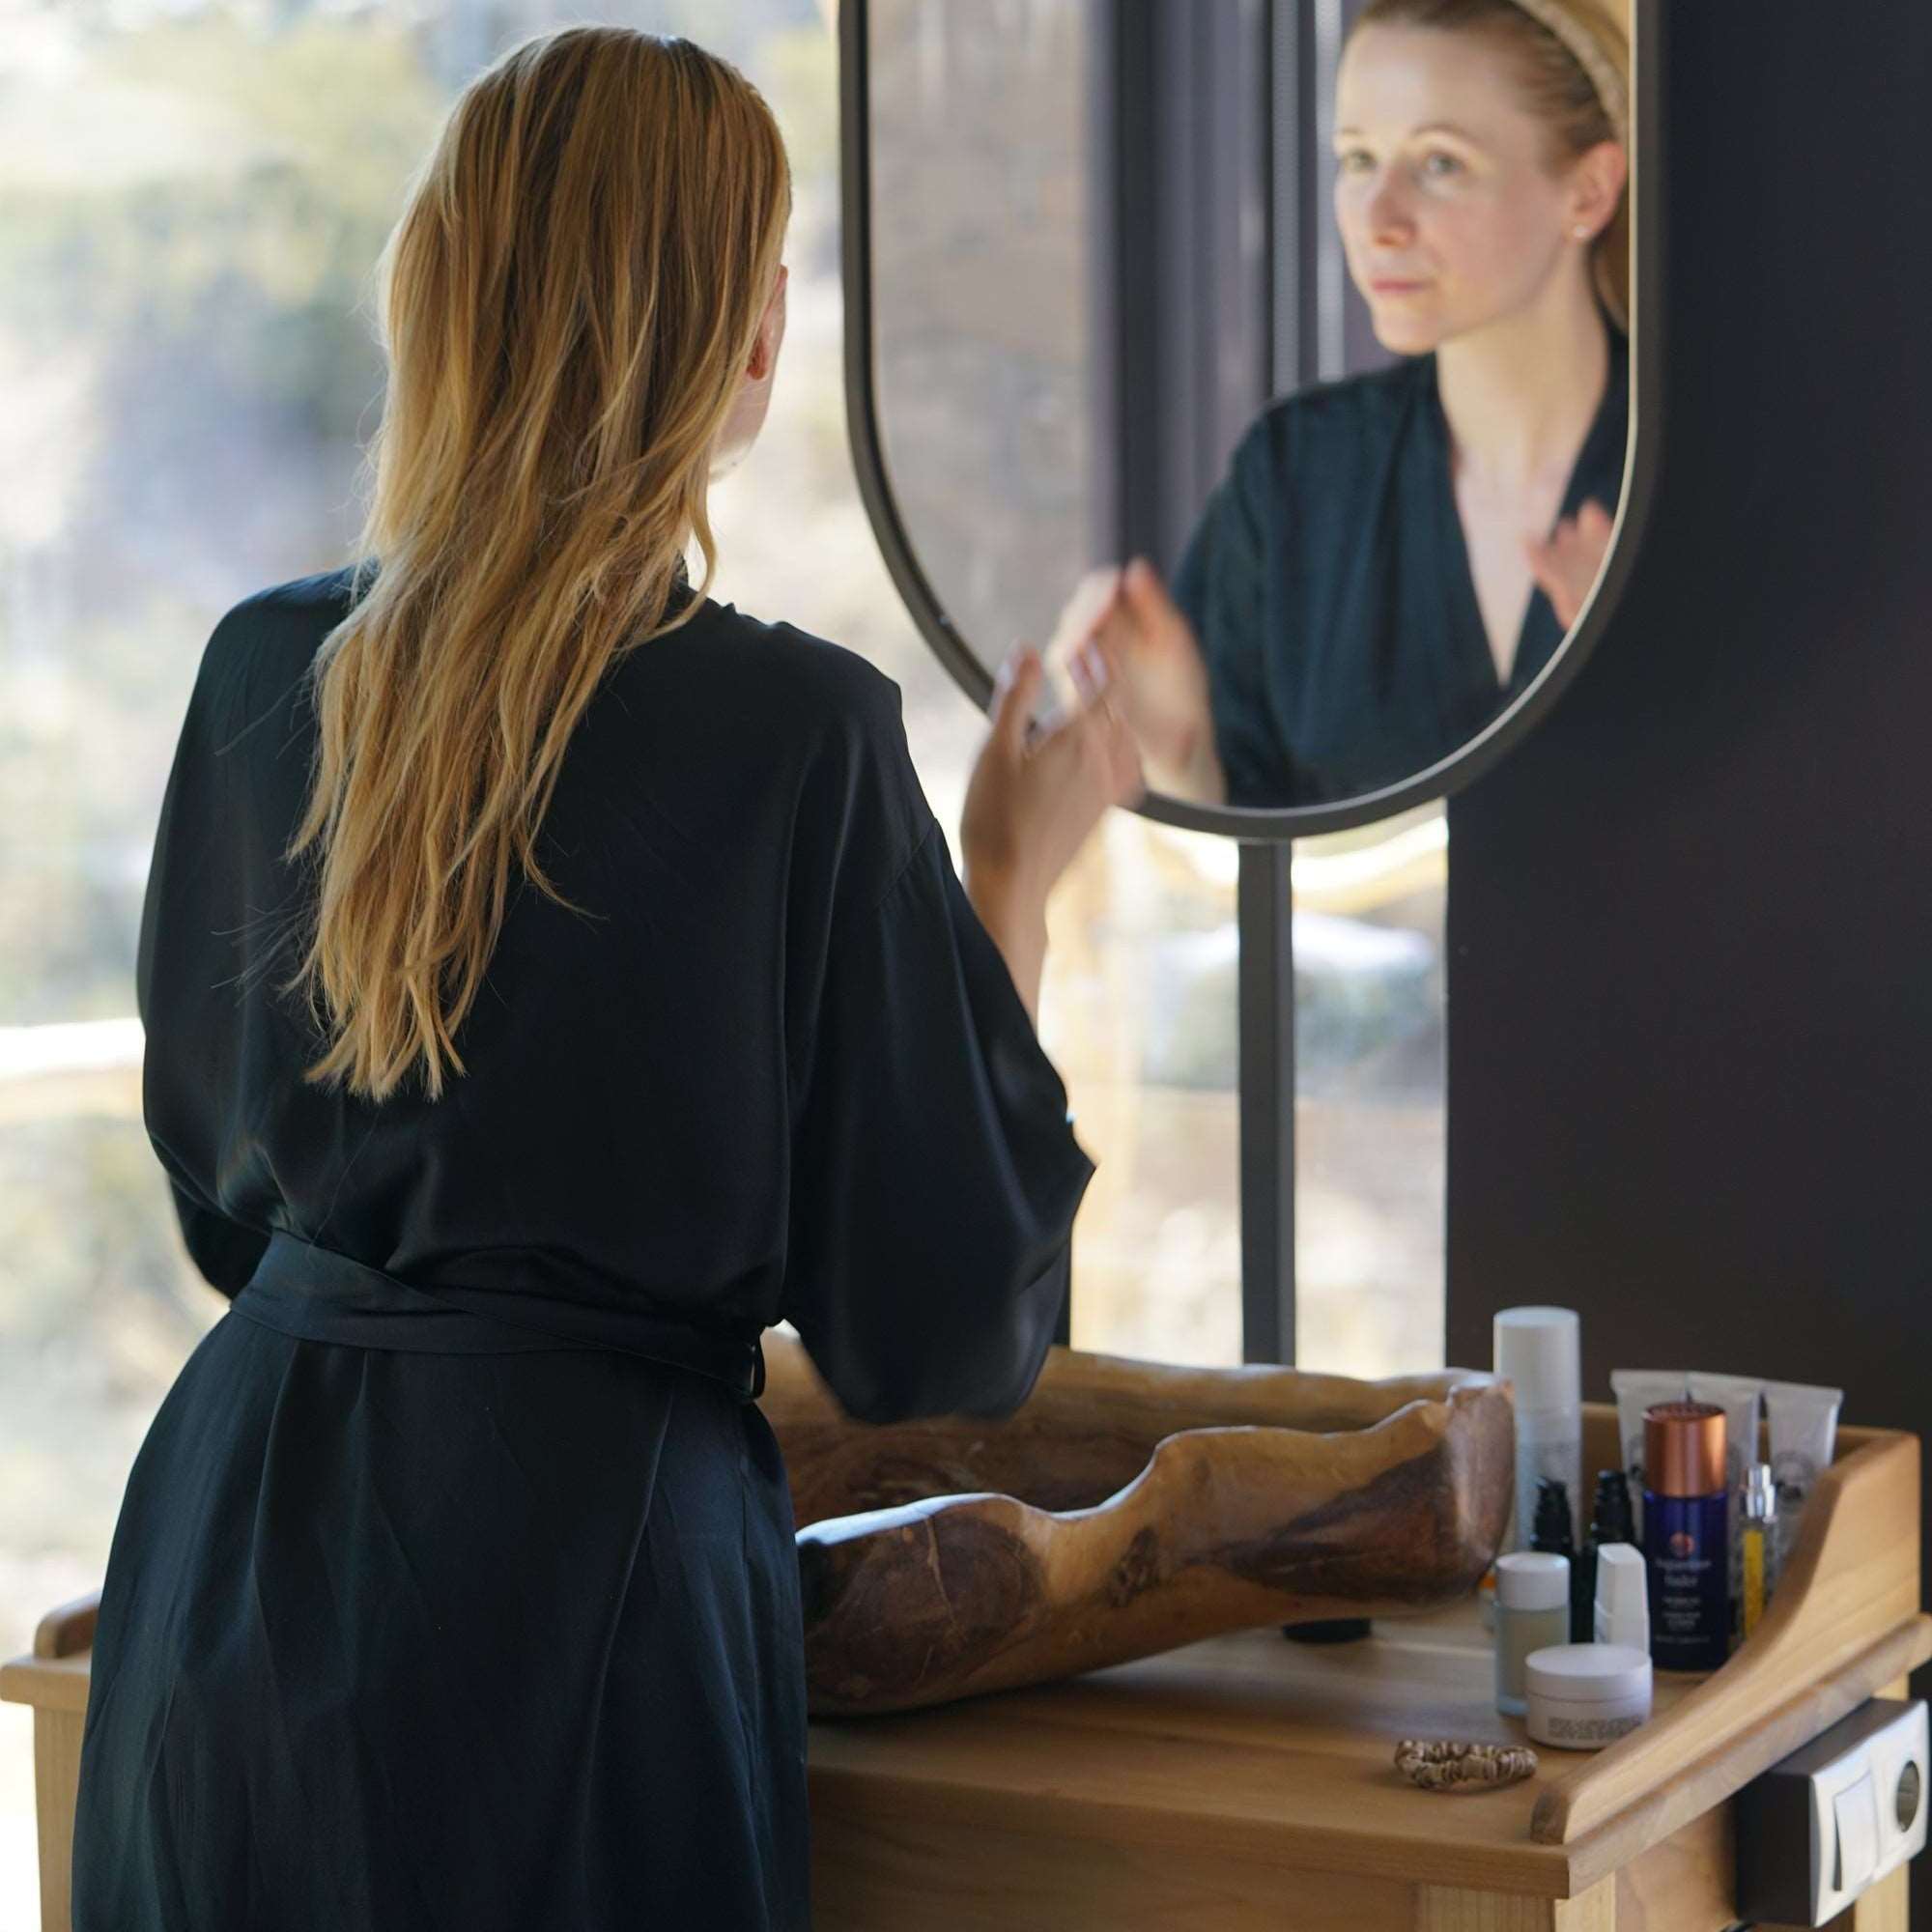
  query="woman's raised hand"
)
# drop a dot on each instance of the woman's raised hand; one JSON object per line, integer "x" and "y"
{"x": 1034, "y": 797}
{"x": 1151, "y": 663}
{"x": 1030, "y": 802}
{"x": 1565, "y": 564}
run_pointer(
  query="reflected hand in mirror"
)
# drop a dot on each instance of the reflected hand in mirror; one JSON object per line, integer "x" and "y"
{"x": 1032, "y": 802}
{"x": 1124, "y": 634}
{"x": 1565, "y": 563}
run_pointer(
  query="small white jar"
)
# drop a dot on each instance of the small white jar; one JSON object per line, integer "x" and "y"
{"x": 1586, "y": 1695}
{"x": 1532, "y": 1613}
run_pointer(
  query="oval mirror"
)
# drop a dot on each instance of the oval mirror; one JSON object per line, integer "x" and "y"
{"x": 1322, "y": 310}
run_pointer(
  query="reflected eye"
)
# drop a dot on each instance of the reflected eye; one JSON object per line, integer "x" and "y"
{"x": 1449, "y": 165}
{"x": 1355, "y": 161}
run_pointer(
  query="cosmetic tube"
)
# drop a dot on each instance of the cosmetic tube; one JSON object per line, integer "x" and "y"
{"x": 1759, "y": 1520}
{"x": 1622, "y": 1609}
{"x": 1803, "y": 1433}
{"x": 1540, "y": 1351}
{"x": 1686, "y": 1535}
{"x": 1739, "y": 1397}
{"x": 1635, "y": 1390}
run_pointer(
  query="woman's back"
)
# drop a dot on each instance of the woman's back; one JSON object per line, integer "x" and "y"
{"x": 653, "y": 1110}
{"x": 454, "y": 1582}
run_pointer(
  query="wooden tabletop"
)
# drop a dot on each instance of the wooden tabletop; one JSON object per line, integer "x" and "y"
{"x": 1250, "y": 1743}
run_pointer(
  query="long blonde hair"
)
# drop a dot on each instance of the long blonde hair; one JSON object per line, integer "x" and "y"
{"x": 1555, "y": 70}
{"x": 567, "y": 305}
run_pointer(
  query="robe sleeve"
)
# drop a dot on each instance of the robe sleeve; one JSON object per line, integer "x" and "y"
{"x": 177, "y": 930}
{"x": 1221, "y": 586}
{"x": 935, "y": 1172}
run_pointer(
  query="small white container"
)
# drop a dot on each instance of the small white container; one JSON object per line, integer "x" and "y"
{"x": 1532, "y": 1613}
{"x": 1586, "y": 1695}
{"x": 1539, "y": 1350}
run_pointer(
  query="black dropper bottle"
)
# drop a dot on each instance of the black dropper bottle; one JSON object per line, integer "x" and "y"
{"x": 1550, "y": 1528}
{"x": 1610, "y": 1522}
{"x": 1550, "y": 1531}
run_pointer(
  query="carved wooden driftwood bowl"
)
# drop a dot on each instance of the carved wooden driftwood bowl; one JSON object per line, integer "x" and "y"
{"x": 1125, "y": 1509}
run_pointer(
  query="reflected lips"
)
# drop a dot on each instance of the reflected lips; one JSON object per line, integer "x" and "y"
{"x": 1383, "y": 287}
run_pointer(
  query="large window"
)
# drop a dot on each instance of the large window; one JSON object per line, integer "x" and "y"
{"x": 191, "y": 201}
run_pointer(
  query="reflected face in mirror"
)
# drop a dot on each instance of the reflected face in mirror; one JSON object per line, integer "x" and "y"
{"x": 1450, "y": 211}
{"x": 1326, "y": 558}
{"x": 1391, "y": 559}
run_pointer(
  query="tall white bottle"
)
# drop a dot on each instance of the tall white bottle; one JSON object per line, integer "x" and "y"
{"x": 1540, "y": 1351}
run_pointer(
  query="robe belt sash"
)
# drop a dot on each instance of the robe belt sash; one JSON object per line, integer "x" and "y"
{"x": 321, "y": 1295}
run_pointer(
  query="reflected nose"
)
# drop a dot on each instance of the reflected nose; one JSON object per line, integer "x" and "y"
{"x": 1388, "y": 214}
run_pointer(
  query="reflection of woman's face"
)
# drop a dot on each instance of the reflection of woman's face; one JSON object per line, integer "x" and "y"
{"x": 1449, "y": 215}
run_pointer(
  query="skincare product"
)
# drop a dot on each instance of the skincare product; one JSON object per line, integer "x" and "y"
{"x": 1739, "y": 1397}
{"x": 1686, "y": 1535}
{"x": 1551, "y": 1533}
{"x": 1532, "y": 1613}
{"x": 1584, "y": 1696}
{"x": 1760, "y": 1515}
{"x": 1486, "y": 1600}
{"x": 1803, "y": 1431}
{"x": 1621, "y": 1612}
{"x": 1539, "y": 1350}
{"x": 1635, "y": 1390}
{"x": 1550, "y": 1527}
{"x": 1609, "y": 1522}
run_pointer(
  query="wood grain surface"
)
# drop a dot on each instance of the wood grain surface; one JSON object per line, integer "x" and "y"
{"x": 1253, "y": 1497}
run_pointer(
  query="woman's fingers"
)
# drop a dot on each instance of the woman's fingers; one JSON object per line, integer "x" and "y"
{"x": 1013, "y": 690}
{"x": 1147, "y": 596}
{"x": 1126, "y": 779}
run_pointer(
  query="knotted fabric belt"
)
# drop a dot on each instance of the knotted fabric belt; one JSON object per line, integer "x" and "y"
{"x": 321, "y": 1295}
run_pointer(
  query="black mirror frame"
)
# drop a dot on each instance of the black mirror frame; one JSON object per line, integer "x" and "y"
{"x": 1461, "y": 767}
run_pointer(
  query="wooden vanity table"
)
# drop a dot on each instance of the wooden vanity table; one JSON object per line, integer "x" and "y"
{"x": 1247, "y": 1781}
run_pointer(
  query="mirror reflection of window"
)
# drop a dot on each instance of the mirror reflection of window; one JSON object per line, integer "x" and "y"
{"x": 982, "y": 207}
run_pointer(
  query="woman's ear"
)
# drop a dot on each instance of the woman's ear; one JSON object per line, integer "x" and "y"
{"x": 771, "y": 330}
{"x": 1597, "y": 182}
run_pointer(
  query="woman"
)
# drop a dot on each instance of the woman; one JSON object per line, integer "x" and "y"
{"x": 1392, "y": 558}
{"x": 553, "y": 978}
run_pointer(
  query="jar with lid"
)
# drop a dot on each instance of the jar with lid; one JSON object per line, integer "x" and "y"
{"x": 1532, "y": 1613}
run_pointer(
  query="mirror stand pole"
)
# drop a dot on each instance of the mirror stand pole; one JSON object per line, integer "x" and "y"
{"x": 1265, "y": 904}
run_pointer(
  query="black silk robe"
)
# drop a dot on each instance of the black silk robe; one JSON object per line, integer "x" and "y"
{"x": 1329, "y": 586}
{"x": 454, "y": 1584}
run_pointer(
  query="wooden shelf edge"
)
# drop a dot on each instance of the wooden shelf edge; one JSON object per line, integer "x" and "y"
{"x": 1848, "y": 1605}
{"x": 64, "y": 1632}
{"x": 1700, "y": 1787}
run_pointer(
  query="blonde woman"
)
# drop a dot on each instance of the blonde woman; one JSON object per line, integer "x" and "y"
{"x": 553, "y": 977}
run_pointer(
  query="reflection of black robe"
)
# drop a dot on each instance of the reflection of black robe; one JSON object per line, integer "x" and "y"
{"x": 454, "y": 1585}
{"x": 1330, "y": 584}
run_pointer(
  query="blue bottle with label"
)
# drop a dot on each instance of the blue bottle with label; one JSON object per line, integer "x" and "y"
{"x": 1686, "y": 1535}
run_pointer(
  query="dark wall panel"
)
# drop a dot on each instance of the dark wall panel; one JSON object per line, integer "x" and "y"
{"x": 1691, "y": 917}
